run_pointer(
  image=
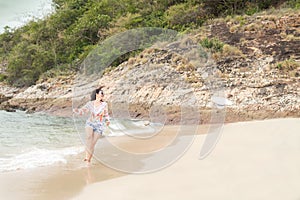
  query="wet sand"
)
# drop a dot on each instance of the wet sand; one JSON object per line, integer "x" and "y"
{"x": 252, "y": 160}
{"x": 48, "y": 183}
{"x": 65, "y": 181}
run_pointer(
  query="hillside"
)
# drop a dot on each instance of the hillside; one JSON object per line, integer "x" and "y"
{"x": 63, "y": 39}
{"x": 256, "y": 57}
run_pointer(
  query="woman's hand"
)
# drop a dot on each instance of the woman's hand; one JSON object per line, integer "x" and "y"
{"x": 75, "y": 110}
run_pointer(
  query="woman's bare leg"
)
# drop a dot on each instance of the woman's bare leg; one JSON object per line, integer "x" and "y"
{"x": 89, "y": 142}
{"x": 96, "y": 137}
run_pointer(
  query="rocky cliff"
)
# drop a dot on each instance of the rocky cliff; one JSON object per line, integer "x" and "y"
{"x": 258, "y": 69}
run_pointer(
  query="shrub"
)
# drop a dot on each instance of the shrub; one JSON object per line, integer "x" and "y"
{"x": 228, "y": 51}
{"x": 185, "y": 15}
{"x": 287, "y": 65}
{"x": 214, "y": 45}
{"x": 251, "y": 9}
{"x": 3, "y": 77}
{"x": 294, "y": 4}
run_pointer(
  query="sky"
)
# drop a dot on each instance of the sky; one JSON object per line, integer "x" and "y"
{"x": 15, "y": 13}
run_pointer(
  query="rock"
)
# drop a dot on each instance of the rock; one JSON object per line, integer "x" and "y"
{"x": 254, "y": 87}
{"x": 4, "y": 98}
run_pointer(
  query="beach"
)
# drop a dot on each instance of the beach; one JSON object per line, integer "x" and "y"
{"x": 252, "y": 160}
{"x": 203, "y": 99}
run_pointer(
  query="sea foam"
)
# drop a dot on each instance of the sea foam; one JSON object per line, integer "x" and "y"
{"x": 37, "y": 157}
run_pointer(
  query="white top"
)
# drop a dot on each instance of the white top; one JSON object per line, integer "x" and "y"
{"x": 97, "y": 113}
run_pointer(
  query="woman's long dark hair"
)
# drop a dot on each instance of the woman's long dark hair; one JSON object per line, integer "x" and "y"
{"x": 97, "y": 91}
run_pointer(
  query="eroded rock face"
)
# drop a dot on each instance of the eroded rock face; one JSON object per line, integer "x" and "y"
{"x": 45, "y": 96}
{"x": 156, "y": 82}
{"x": 254, "y": 83}
{"x": 261, "y": 36}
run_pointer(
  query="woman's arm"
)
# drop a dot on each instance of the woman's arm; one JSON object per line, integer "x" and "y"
{"x": 83, "y": 110}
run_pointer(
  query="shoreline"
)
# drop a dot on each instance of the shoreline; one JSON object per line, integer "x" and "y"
{"x": 231, "y": 156}
{"x": 62, "y": 107}
{"x": 65, "y": 181}
{"x": 52, "y": 182}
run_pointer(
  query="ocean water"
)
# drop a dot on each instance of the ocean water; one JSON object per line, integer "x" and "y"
{"x": 36, "y": 140}
{"x": 18, "y": 12}
{"x": 29, "y": 141}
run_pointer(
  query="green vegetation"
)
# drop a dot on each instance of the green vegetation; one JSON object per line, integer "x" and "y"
{"x": 287, "y": 65}
{"x": 214, "y": 45}
{"x": 2, "y": 77}
{"x": 294, "y": 4}
{"x": 62, "y": 40}
{"x": 228, "y": 51}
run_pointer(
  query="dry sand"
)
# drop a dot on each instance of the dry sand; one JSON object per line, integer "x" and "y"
{"x": 252, "y": 160}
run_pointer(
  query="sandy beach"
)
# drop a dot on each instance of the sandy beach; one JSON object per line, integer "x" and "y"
{"x": 48, "y": 183}
{"x": 192, "y": 100}
{"x": 252, "y": 160}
